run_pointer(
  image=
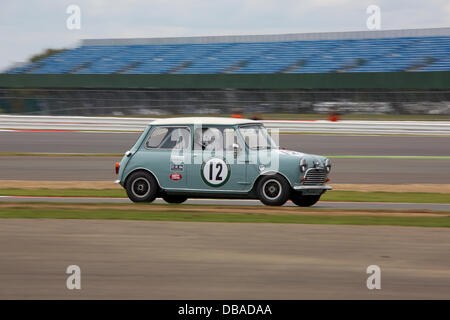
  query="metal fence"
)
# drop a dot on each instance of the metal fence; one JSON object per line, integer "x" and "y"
{"x": 104, "y": 102}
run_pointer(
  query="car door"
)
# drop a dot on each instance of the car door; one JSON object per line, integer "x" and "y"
{"x": 261, "y": 151}
{"x": 167, "y": 151}
{"x": 218, "y": 160}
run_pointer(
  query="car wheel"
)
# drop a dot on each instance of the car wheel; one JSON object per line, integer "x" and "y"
{"x": 141, "y": 187}
{"x": 174, "y": 198}
{"x": 304, "y": 201}
{"x": 273, "y": 190}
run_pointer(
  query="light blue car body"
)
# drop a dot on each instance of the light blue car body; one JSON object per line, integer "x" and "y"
{"x": 243, "y": 173}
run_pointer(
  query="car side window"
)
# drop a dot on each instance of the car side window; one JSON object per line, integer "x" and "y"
{"x": 213, "y": 138}
{"x": 169, "y": 138}
{"x": 156, "y": 137}
{"x": 180, "y": 139}
{"x": 230, "y": 139}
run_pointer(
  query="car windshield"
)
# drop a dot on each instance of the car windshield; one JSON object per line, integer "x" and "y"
{"x": 256, "y": 137}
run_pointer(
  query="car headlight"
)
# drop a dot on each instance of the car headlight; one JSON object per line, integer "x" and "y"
{"x": 328, "y": 165}
{"x": 303, "y": 165}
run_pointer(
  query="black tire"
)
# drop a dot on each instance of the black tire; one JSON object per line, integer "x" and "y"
{"x": 174, "y": 198}
{"x": 141, "y": 187}
{"x": 273, "y": 190}
{"x": 304, "y": 201}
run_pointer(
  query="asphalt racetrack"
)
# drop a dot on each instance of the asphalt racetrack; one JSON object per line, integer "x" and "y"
{"x": 347, "y": 170}
{"x": 189, "y": 260}
{"x": 82, "y": 142}
{"x": 205, "y": 260}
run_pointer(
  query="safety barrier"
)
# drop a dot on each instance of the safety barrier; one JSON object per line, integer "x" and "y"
{"x": 13, "y": 122}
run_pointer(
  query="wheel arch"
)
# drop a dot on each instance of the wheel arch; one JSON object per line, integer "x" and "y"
{"x": 144, "y": 170}
{"x": 267, "y": 173}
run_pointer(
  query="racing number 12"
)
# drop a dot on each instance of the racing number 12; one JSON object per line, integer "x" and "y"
{"x": 218, "y": 166}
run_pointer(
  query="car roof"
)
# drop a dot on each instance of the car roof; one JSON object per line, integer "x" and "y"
{"x": 204, "y": 120}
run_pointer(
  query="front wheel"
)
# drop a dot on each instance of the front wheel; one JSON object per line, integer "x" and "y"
{"x": 305, "y": 201}
{"x": 141, "y": 187}
{"x": 273, "y": 190}
{"x": 174, "y": 198}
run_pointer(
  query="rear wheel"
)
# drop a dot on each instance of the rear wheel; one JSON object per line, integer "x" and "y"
{"x": 273, "y": 190}
{"x": 304, "y": 201}
{"x": 141, "y": 187}
{"x": 174, "y": 198}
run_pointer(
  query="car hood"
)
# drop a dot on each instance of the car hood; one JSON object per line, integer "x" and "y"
{"x": 310, "y": 158}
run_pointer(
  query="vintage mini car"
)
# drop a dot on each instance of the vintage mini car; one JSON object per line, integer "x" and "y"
{"x": 181, "y": 158}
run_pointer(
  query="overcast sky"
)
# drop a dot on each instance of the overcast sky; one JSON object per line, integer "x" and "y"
{"x": 29, "y": 26}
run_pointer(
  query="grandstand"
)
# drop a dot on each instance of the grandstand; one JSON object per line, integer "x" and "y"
{"x": 418, "y": 50}
{"x": 390, "y": 72}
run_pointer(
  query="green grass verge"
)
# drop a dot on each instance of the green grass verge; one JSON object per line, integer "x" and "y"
{"x": 412, "y": 197}
{"x": 196, "y": 216}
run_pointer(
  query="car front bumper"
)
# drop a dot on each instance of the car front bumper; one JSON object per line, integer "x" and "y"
{"x": 320, "y": 187}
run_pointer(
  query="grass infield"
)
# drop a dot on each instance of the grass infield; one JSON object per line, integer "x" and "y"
{"x": 209, "y": 213}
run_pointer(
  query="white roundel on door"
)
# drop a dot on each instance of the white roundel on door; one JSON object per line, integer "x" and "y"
{"x": 215, "y": 172}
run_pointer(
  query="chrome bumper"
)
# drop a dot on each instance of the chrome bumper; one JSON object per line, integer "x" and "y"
{"x": 117, "y": 181}
{"x": 322, "y": 187}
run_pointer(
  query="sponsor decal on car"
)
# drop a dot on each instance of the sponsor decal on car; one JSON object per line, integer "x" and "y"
{"x": 177, "y": 167}
{"x": 176, "y": 176}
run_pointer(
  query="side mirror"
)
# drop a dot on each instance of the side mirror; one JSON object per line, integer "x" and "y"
{"x": 128, "y": 153}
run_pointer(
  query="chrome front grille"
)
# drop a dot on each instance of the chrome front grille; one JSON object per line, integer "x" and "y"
{"x": 315, "y": 177}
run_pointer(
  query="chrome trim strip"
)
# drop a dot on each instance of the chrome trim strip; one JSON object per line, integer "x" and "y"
{"x": 322, "y": 187}
{"x": 314, "y": 180}
{"x": 318, "y": 168}
{"x": 205, "y": 190}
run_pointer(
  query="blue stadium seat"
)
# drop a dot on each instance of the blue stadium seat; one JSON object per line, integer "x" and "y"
{"x": 431, "y": 53}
